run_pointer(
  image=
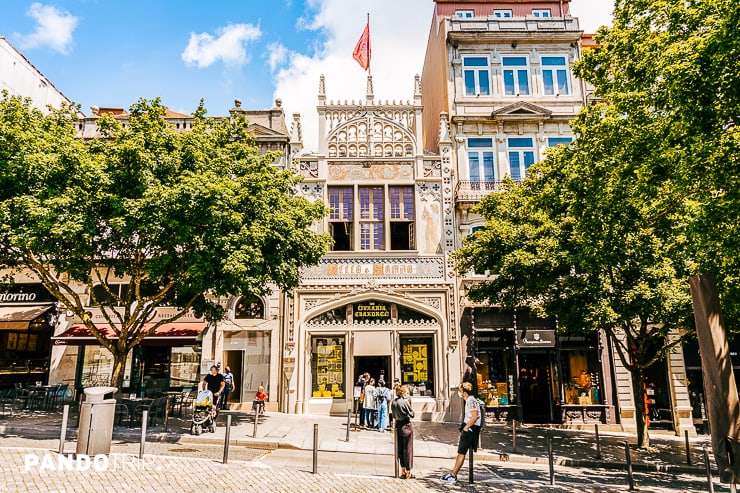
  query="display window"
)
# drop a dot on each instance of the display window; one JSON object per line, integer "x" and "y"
{"x": 581, "y": 377}
{"x": 417, "y": 364}
{"x": 496, "y": 376}
{"x": 327, "y": 366}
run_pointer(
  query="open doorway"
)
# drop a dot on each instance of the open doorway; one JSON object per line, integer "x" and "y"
{"x": 233, "y": 359}
{"x": 376, "y": 366}
{"x": 534, "y": 387}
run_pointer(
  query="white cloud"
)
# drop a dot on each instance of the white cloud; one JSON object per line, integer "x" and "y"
{"x": 228, "y": 46}
{"x": 592, "y": 14}
{"x": 53, "y": 28}
{"x": 277, "y": 54}
{"x": 398, "y": 46}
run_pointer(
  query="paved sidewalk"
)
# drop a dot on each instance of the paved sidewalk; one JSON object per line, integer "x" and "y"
{"x": 432, "y": 440}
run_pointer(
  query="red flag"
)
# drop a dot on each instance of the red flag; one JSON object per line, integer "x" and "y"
{"x": 362, "y": 50}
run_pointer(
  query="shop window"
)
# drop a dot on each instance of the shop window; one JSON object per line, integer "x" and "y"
{"x": 327, "y": 366}
{"x": 97, "y": 366}
{"x": 417, "y": 364}
{"x": 497, "y": 370}
{"x": 581, "y": 377}
{"x": 249, "y": 306}
{"x": 184, "y": 367}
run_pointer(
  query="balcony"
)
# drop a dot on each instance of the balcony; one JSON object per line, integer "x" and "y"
{"x": 474, "y": 191}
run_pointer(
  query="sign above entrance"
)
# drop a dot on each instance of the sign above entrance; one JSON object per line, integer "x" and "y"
{"x": 535, "y": 338}
{"x": 371, "y": 310}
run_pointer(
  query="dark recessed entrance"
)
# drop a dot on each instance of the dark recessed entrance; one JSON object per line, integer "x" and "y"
{"x": 376, "y": 366}
{"x": 535, "y": 381}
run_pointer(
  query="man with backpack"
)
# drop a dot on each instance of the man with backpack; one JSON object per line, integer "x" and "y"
{"x": 382, "y": 397}
{"x": 469, "y": 429}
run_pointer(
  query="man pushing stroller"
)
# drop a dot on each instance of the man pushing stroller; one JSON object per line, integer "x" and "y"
{"x": 214, "y": 382}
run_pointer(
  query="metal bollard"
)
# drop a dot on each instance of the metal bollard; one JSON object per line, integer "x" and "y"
{"x": 256, "y": 420}
{"x": 63, "y": 436}
{"x": 629, "y": 466}
{"x": 688, "y": 447}
{"x": 226, "y": 438}
{"x": 470, "y": 466}
{"x": 166, "y": 411}
{"x": 349, "y": 423}
{"x": 315, "y": 447}
{"x": 708, "y": 467}
{"x": 551, "y": 461}
{"x": 598, "y": 442}
{"x": 144, "y": 420}
{"x": 513, "y": 436}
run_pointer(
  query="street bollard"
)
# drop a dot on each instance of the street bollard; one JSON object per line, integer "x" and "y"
{"x": 551, "y": 461}
{"x": 226, "y": 438}
{"x": 598, "y": 442}
{"x": 63, "y": 436}
{"x": 349, "y": 423}
{"x": 166, "y": 412}
{"x": 629, "y": 466}
{"x": 395, "y": 452}
{"x": 315, "y": 447}
{"x": 688, "y": 447}
{"x": 513, "y": 436}
{"x": 708, "y": 467}
{"x": 144, "y": 420}
{"x": 256, "y": 420}
{"x": 470, "y": 466}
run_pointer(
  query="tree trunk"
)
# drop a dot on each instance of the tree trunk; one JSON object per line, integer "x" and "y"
{"x": 119, "y": 367}
{"x": 638, "y": 392}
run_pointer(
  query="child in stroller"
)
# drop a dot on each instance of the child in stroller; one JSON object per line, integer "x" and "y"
{"x": 205, "y": 410}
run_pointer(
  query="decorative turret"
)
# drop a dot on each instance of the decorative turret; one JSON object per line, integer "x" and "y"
{"x": 444, "y": 129}
{"x": 370, "y": 95}
{"x": 322, "y": 90}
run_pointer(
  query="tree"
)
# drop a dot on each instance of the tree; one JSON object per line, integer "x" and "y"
{"x": 185, "y": 217}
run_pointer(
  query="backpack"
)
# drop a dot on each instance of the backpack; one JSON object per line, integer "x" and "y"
{"x": 481, "y": 411}
{"x": 381, "y": 394}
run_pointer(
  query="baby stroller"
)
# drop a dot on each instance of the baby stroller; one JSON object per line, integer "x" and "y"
{"x": 205, "y": 410}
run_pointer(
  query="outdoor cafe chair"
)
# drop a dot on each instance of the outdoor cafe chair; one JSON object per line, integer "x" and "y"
{"x": 121, "y": 413}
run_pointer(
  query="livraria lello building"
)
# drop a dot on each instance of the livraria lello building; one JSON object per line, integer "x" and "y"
{"x": 401, "y": 179}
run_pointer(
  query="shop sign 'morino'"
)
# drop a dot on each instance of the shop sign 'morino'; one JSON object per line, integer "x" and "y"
{"x": 536, "y": 338}
{"x": 24, "y": 293}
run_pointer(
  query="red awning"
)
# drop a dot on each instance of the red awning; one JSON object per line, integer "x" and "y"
{"x": 170, "y": 334}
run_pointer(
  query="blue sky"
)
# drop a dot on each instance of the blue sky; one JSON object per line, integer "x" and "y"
{"x": 111, "y": 52}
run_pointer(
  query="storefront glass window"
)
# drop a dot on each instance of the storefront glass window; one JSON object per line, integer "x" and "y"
{"x": 581, "y": 377}
{"x": 184, "y": 367}
{"x": 97, "y": 367}
{"x": 417, "y": 364}
{"x": 496, "y": 372}
{"x": 327, "y": 366}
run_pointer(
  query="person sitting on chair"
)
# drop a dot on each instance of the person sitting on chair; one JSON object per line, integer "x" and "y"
{"x": 259, "y": 399}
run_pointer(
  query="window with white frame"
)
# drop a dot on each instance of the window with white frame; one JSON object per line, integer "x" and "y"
{"x": 476, "y": 76}
{"x": 521, "y": 156}
{"x": 502, "y": 13}
{"x": 401, "y": 217}
{"x": 516, "y": 75}
{"x": 372, "y": 218}
{"x": 480, "y": 160}
{"x": 555, "y": 141}
{"x": 464, "y": 14}
{"x": 541, "y": 12}
{"x": 341, "y": 202}
{"x": 555, "y": 75}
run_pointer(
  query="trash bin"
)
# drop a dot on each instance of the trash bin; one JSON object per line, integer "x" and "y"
{"x": 96, "y": 421}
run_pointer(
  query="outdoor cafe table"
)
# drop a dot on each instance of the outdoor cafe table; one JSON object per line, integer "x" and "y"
{"x": 46, "y": 392}
{"x": 132, "y": 403}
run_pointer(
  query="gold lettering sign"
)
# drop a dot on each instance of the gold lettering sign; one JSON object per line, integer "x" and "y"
{"x": 371, "y": 310}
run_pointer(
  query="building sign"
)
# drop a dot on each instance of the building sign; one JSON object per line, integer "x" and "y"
{"x": 535, "y": 338}
{"x": 388, "y": 268}
{"x": 371, "y": 310}
{"x": 25, "y": 293}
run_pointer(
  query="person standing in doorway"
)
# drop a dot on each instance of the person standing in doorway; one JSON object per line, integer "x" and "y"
{"x": 228, "y": 387}
{"x": 369, "y": 404}
{"x": 402, "y": 414}
{"x": 469, "y": 430}
{"x": 360, "y": 399}
{"x": 382, "y": 398}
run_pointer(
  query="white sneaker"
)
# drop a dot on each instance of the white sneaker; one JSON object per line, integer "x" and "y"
{"x": 449, "y": 478}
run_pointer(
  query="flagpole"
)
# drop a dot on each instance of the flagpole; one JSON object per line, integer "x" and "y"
{"x": 369, "y": 68}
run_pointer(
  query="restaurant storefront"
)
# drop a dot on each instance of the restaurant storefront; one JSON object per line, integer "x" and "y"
{"x": 168, "y": 358}
{"x": 27, "y": 316}
{"x": 525, "y": 370}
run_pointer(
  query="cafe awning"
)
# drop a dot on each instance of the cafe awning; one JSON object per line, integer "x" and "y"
{"x": 19, "y": 317}
{"x": 168, "y": 334}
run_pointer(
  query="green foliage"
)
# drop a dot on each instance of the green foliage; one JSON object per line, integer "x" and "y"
{"x": 189, "y": 213}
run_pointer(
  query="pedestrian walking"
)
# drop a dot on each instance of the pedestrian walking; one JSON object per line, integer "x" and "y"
{"x": 228, "y": 386}
{"x": 402, "y": 414}
{"x": 371, "y": 410}
{"x": 382, "y": 398}
{"x": 469, "y": 430}
{"x": 361, "y": 398}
